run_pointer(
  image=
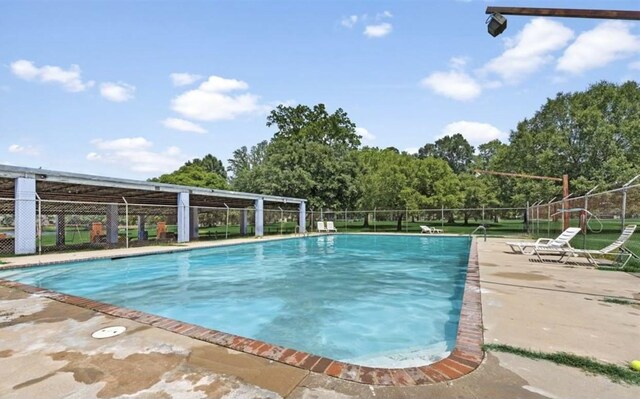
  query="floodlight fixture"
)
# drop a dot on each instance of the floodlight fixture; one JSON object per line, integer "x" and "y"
{"x": 496, "y": 24}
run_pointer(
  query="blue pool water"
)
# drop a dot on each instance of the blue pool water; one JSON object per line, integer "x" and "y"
{"x": 385, "y": 301}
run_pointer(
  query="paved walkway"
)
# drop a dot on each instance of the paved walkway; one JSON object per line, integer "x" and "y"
{"x": 46, "y": 349}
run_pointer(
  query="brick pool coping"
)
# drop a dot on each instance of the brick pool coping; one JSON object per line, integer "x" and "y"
{"x": 466, "y": 356}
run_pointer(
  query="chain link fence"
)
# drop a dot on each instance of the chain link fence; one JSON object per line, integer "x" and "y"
{"x": 71, "y": 225}
{"x": 602, "y": 216}
{"x": 498, "y": 221}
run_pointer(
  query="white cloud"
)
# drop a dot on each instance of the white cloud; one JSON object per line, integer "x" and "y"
{"x": 598, "y": 47}
{"x": 183, "y": 125}
{"x": 26, "y": 150}
{"x": 184, "y": 79}
{"x": 366, "y": 135}
{"x": 70, "y": 78}
{"x": 94, "y": 156}
{"x": 379, "y": 30}
{"x": 635, "y": 65}
{"x": 383, "y": 15}
{"x": 117, "y": 92}
{"x": 135, "y": 153}
{"x": 127, "y": 143}
{"x": 411, "y": 150}
{"x": 350, "y": 21}
{"x": 222, "y": 85}
{"x": 458, "y": 63}
{"x": 209, "y": 102}
{"x": 476, "y": 133}
{"x": 453, "y": 84}
{"x": 530, "y": 49}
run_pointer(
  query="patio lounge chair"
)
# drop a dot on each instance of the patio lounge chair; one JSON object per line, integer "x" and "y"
{"x": 616, "y": 248}
{"x": 321, "y": 228}
{"x": 331, "y": 227}
{"x": 544, "y": 243}
{"x": 430, "y": 230}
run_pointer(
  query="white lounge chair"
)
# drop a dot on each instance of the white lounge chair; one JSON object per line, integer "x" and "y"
{"x": 331, "y": 227}
{"x": 321, "y": 228}
{"x": 559, "y": 242}
{"x": 430, "y": 230}
{"x": 616, "y": 248}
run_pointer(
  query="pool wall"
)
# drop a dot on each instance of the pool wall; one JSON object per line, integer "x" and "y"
{"x": 466, "y": 356}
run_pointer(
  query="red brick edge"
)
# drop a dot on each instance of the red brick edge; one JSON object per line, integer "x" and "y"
{"x": 466, "y": 356}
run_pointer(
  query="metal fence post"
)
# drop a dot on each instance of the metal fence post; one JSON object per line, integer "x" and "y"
{"x": 625, "y": 187}
{"x": 226, "y": 227}
{"x": 406, "y": 221}
{"x": 126, "y": 222}
{"x": 39, "y": 223}
{"x": 374, "y": 219}
{"x": 346, "y": 222}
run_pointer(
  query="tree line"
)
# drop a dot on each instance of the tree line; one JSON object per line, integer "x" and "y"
{"x": 593, "y": 136}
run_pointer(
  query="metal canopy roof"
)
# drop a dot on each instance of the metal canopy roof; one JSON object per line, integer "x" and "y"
{"x": 65, "y": 186}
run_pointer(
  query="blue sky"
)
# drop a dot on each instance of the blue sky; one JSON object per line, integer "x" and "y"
{"x": 135, "y": 89}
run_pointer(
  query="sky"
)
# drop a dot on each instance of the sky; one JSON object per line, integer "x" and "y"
{"x": 134, "y": 89}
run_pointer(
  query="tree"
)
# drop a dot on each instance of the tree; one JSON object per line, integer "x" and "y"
{"x": 401, "y": 181}
{"x": 193, "y": 175}
{"x": 301, "y": 123}
{"x": 591, "y": 135}
{"x": 312, "y": 155}
{"x": 477, "y": 192}
{"x": 488, "y": 153}
{"x": 455, "y": 149}
{"x": 246, "y": 167}
{"x": 210, "y": 164}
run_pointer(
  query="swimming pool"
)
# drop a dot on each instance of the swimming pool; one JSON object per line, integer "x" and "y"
{"x": 381, "y": 301}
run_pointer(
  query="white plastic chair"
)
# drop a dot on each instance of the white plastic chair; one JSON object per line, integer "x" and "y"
{"x": 331, "y": 227}
{"x": 321, "y": 228}
{"x": 549, "y": 244}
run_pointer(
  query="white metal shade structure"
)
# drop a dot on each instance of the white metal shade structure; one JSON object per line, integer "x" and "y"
{"x": 32, "y": 199}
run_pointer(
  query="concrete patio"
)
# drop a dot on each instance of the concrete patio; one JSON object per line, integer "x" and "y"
{"x": 46, "y": 348}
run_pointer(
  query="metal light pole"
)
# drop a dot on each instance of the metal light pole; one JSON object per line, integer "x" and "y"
{"x": 497, "y": 23}
{"x": 565, "y": 12}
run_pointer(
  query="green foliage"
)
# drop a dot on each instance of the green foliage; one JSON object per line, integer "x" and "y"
{"x": 455, "y": 149}
{"x": 193, "y": 174}
{"x": 391, "y": 180}
{"x": 246, "y": 168}
{"x": 210, "y": 164}
{"x": 613, "y": 372}
{"x": 301, "y": 124}
{"x": 592, "y": 136}
{"x": 312, "y": 155}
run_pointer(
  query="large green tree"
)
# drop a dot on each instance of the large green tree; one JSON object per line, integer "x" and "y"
{"x": 592, "y": 136}
{"x": 454, "y": 149}
{"x": 206, "y": 172}
{"x": 246, "y": 167}
{"x": 312, "y": 155}
{"x": 391, "y": 180}
{"x": 210, "y": 164}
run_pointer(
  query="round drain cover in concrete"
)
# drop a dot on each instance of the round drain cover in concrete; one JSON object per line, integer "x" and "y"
{"x": 109, "y": 332}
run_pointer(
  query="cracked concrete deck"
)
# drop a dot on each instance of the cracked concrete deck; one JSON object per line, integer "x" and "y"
{"x": 46, "y": 349}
